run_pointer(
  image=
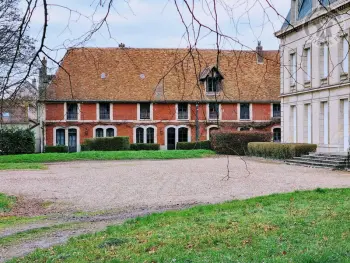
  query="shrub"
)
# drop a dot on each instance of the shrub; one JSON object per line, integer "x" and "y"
{"x": 106, "y": 144}
{"x": 193, "y": 145}
{"x": 236, "y": 143}
{"x": 16, "y": 141}
{"x": 56, "y": 149}
{"x": 280, "y": 150}
{"x": 144, "y": 147}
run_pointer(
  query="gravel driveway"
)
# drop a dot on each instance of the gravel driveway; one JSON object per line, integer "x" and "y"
{"x": 96, "y": 185}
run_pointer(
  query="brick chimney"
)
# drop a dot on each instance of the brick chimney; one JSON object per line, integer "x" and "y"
{"x": 259, "y": 53}
{"x": 43, "y": 79}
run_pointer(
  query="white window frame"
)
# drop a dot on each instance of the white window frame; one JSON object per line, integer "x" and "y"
{"x": 105, "y": 127}
{"x": 344, "y": 56}
{"x": 110, "y": 111}
{"x": 144, "y": 127}
{"x": 65, "y": 111}
{"x": 208, "y": 115}
{"x": 325, "y": 106}
{"x": 176, "y": 134}
{"x": 276, "y": 127}
{"x": 208, "y": 130}
{"x": 188, "y": 109}
{"x": 307, "y": 64}
{"x": 250, "y": 111}
{"x": 151, "y": 112}
{"x": 324, "y": 60}
{"x": 66, "y": 135}
{"x": 293, "y": 68}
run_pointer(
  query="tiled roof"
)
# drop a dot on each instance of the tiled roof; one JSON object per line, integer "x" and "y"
{"x": 128, "y": 74}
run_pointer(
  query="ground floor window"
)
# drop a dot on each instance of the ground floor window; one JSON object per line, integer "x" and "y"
{"x": 150, "y": 135}
{"x": 110, "y": 132}
{"x": 99, "y": 133}
{"x": 277, "y": 134}
{"x": 105, "y": 131}
{"x": 145, "y": 134}
{"x": 60, "y": 137}
{"x": 139, "y": 135}
{"x": 183, "y": 134}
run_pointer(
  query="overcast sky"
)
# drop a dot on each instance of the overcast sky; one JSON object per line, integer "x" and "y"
{"x": 157, "y": 24}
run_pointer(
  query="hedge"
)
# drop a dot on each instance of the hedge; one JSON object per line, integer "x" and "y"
{"x": 144, "y": 147}
{"x": 193, "y": 145}
{"x": 280, "y": 150}
{"x": 106, "y": 144}
{"x": 56, "y": 149}
{"x": 16, "y": 141}
{"x": 236, "y": 143}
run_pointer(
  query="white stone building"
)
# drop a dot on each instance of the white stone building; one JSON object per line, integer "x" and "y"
{"x": 315, "y": 87}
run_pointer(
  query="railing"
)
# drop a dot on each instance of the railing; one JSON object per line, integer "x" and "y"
{"x": 145, "y": 115}
{"x": 72, "y": 116}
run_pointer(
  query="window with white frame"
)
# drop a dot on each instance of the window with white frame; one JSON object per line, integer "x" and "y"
{"x": 145, "y": 111}
{"x": 145, "y": 134}
{"x": 110, "y": 132}
{"x": 72, "y": 111}
{"x": 183, "y": 134}
{"x": 213, "y": 84}
{"x": 293, "y": 69}
{"x": 277, "y": 134}
{"x": 324, "y": 55}
{"x": 214, "y": 111}
{"x": 105, "y": 131}
{"x": 60, "y": 137}
{"x": 276, "y": 110}
{"x": 244, "y": 111}
{"x": 307, "y": 64}
{"x": 345, "y": 54}
{"x": 99, "y": 133}
{"x": 182, "y": 111}
{"x": 105, "y": 111}
{"x": 150, "y": 135}
{"x": 139, "y": 135}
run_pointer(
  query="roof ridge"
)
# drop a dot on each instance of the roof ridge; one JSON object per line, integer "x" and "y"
{"x": 175, "y": 49}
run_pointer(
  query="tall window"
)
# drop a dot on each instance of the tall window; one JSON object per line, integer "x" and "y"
{"x": 213, "y": 111}
{"x": 182, "y": 111}
{"x": 324, "y": 60}
{"x": 150, "y": 135}
{"x": 99, "y": 133}
{"x": 244, "y": 111}
{"x": 183, "y": 134}
{"x": 104, "y": 111}
{"x": 293, "y": 69}
{"x": 213, "y": 84}
{"x": 72, "y": 111}
{"x": 139, "y": 135}
{"x": 276, "y": 110}
{"x": 345, "y": 54}
{"x": 277, "y": 134}
{"x": 110, "y": 132}
{"x": 60, "y": 137}
{"x": 307, "y": 64}
{"x": 145, "y": 111}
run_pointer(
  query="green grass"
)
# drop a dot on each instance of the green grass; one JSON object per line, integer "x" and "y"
{"x": 120, "y": 155}
{"x": 6, "y": 202}
{"x": 22, "y": 166}
{"x": 303, "y": 227}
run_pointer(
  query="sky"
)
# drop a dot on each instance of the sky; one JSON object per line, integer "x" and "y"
{"x": 158, "y": 24}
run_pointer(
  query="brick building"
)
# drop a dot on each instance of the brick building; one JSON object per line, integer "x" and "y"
{"x": 155, "y": 95}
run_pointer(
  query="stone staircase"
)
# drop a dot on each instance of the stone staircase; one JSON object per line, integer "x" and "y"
{"x": 333, "y": 161}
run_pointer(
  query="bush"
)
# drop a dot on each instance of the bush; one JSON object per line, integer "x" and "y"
{"x": 56, "y": 149}
{"x": 280, "y": 150}
{"x": 16, "y": 141}
{"x": 193, "y": 145}
{"x": 236, "y": 143}
{"x": 144, "y": 147}
{"x": 106, "y": 144}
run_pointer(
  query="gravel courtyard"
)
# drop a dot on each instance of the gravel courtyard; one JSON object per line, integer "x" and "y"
{"x": 96, "y": 186}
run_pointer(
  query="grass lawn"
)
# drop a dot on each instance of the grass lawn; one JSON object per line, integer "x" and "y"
{"x": 310, "y": 226}
{"x": 21, "y": 166}
{"x": 120, "y": 155}
{"x": 6, "y": 202}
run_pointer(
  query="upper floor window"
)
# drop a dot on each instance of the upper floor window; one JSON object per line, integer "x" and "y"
{"x": 276, "y": 110}
{"x": 345, "y": 55}
{"x": 214, "y": 111}
{"x": 245, "y": 111}
{"x": 324, "y": 60}
{"x": 293, "y": 69}
{"x": 182, "y": 111}
{"x": 307, "y": 64}
{"x": 72, "y": 111}
{"x": 213, "y": 84}
{"x": 104, "y": 111}
{"x": 145, "y": 111}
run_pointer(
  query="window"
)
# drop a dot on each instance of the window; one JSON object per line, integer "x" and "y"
{"x": 324, "y": 61}
{"x": 307, "y": 65}
{"x": 99, "y": 133}
{"x": 139, "y": 135}
{"x": 244, "y": 129}
{"x": 211, "y": 130}
{"x": 145, "y": 111}
{"x": 276, "y": 110}
{"x": 277, "y": 134}
{"x": 60, "y": 137}
{"x": 6, "y": 114}
{"x": 182, "y": 134}
{"x": 182, "y": 111}
{"x": 110, "y": 132}
{"x": 345, "y": 55}
{"x": 245, "y": 111}
{"x": 213, "y": 84}
{"x": 72, "y": 111}
{"x": 104, "y": 111}
{"x": 150, "y": 135}
{"x": 213, "y": 111}
{"x": 293, "y": 69}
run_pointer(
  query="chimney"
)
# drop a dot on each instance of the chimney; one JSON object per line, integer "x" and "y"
{"x": 43, "y": 79}
{"x": 122, "y": 45}
{"x": 315, "y": 4}
{"x": 259, "y": 53}
{"x": 34, "y": 82}
{"x": 294, "y": 11}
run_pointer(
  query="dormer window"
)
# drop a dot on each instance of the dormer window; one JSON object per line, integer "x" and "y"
{"x": 212, "y": 79}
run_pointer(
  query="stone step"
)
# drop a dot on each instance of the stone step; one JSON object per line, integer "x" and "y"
{"x": 317, "y": 163}
{"x": 313, "y": 166}
{"x": 310, "y": 159}
{"x": 326, "y": 156}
